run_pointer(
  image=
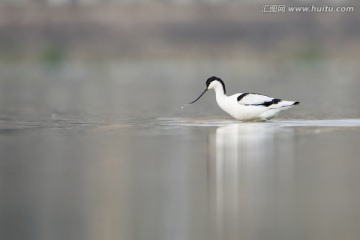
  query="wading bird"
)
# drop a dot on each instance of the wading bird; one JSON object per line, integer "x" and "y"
{"x": 245, "y": 106}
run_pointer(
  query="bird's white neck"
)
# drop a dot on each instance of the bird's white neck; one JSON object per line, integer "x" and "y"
{"x": 219, "y": 91}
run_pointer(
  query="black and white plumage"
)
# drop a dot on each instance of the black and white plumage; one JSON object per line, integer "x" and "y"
{"x": 246, "y": 106}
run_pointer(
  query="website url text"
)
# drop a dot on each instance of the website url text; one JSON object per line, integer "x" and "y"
{"x": 276, "y": 8}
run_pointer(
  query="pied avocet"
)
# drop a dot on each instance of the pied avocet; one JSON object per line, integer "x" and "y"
{"x": 245, "y": 106}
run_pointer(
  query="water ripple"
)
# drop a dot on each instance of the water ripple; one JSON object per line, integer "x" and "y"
{"x": 278, "y": 123}
{"x": 14, "y": 125}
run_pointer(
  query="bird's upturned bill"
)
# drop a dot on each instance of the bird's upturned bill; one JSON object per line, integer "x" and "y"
{"x": 195, "y": 99}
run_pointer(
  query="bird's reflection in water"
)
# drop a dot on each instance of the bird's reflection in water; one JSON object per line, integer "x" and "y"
{"x": 250, "y": 166}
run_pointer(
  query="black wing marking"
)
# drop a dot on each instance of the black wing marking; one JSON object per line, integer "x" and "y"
{"x": 254, "y": 99}
{"x": 241, "y": 96}
{"x": 268, "y": 103}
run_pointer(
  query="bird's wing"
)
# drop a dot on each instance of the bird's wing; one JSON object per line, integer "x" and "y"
{"x": 253, "y": 99}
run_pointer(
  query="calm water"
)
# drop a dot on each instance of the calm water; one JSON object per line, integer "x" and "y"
{"x": 103, "y": 151}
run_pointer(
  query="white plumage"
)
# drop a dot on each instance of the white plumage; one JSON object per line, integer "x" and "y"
{"x": 246, "y": 106}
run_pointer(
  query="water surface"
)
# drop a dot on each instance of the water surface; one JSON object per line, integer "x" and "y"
{"x": 106, "y": 152}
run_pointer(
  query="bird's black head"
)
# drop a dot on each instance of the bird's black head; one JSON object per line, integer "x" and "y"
{"x": 213, "y": 78}
{"x": 208, "y": 82}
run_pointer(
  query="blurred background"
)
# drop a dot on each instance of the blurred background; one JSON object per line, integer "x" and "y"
{"x": 94, "y": 144}
{"x": 108, "y": 57}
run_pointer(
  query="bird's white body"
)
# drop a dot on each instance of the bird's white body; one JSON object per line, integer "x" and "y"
{"x": 249, "y": 106}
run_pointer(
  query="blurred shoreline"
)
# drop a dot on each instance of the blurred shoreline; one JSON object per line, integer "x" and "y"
{"x": 113, "y": 31}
